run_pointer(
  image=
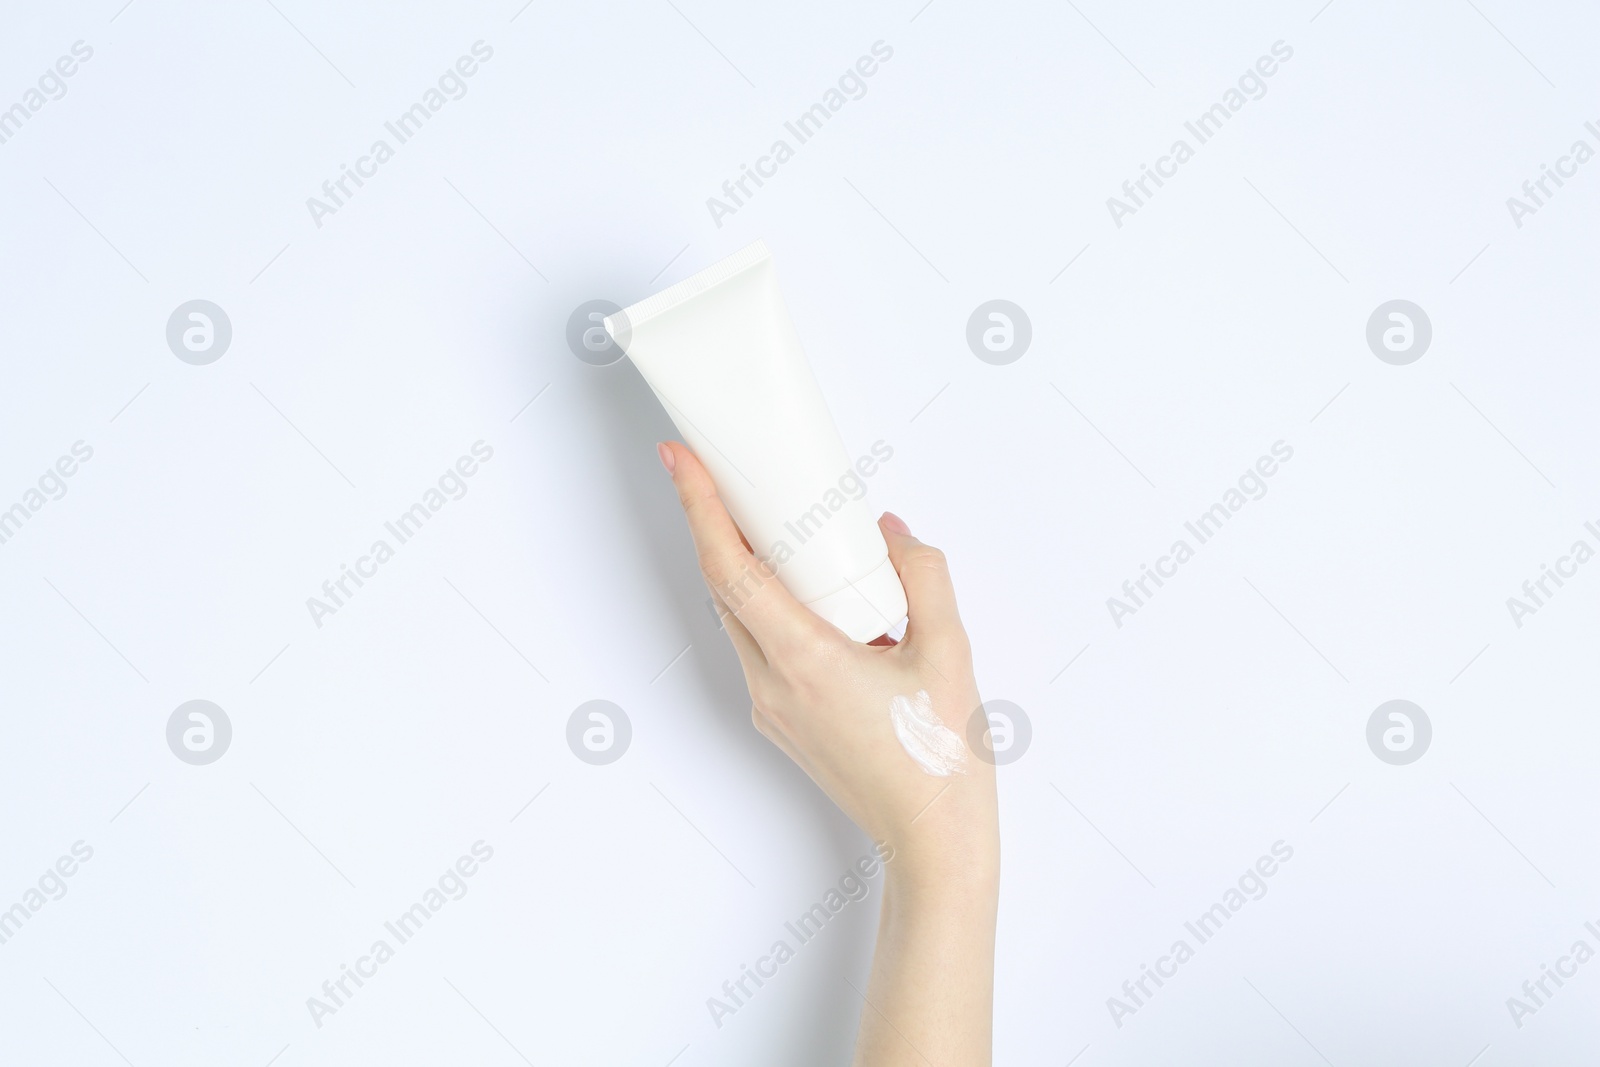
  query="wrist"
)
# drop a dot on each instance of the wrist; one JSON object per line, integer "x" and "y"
{"x": 945, "y": 868}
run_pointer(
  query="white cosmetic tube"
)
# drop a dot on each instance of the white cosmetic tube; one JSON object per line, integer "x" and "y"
{"x": 723, "y": 357}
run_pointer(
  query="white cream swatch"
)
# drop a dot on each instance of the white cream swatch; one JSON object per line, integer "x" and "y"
{"x": 937, "y": 749}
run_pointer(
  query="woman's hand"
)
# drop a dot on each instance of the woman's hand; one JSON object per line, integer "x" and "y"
{"x": 884, "y": 729}
{"x": 826, "y": 700}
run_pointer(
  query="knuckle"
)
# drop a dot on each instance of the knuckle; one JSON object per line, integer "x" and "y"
{"x": 769, "y": 724}
{"x": 701, "y": 511}
{"x": 693, "y": 503}
{"x": 715, "y": 570}
{"x": 929, "y": 558}
{"x": 733, "y": 581}
{"x": 764, "y": 696}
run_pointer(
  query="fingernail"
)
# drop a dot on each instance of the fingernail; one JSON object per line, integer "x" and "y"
{"x": 895, "y": 523}
{"x": 668, "y": 460}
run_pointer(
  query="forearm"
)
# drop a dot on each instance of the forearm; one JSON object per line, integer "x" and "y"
{"x": 930, "y": 1000}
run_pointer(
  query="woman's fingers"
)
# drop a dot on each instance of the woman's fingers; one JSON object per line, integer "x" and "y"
{"x": 930, "y": 596}
{"x": 743, "y": 583}
{"x": 751, "y": 658}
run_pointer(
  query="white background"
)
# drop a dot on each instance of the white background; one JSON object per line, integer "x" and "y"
{"x": 368, "y": 354}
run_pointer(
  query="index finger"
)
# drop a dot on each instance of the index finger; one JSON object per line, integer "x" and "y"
{"x": 746, "y": 584}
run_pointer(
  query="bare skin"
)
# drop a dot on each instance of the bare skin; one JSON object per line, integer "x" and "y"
{"x": 823, "y": 700}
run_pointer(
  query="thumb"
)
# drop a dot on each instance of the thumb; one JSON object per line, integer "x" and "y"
{"x": 930, "y": 596}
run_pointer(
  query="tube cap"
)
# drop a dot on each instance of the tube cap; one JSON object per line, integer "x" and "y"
{"x": 867, "y": 607}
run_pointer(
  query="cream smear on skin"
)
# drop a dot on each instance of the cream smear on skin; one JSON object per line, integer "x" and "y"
{"x": 936, "y": 748}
